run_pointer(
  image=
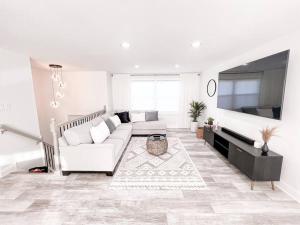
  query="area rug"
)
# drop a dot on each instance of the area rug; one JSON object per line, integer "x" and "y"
{"x": 173, "y": 170}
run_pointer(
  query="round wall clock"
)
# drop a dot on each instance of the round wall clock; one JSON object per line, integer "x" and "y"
{"x": 211, "y": 87}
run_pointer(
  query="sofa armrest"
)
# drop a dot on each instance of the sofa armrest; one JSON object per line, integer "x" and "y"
{"x": 86, "y": 147}
{"x": 88, "y": 157}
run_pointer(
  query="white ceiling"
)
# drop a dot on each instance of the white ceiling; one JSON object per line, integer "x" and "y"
{"x": 87, "y": 34}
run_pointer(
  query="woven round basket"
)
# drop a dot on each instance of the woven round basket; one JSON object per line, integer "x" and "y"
{"x": 157, "y": 146}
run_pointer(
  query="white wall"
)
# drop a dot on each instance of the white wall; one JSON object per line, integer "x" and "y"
{"x": 287, "y": 142}
{"x": 17, "y": 106}
{"x": 85, "y": 92}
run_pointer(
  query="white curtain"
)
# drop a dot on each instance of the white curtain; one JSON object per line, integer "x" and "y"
{"x": 189, "y": 91}
{"x": 121, "y": 91}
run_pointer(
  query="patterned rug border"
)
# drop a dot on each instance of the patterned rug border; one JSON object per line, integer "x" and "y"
{"x": 152, "y": 185}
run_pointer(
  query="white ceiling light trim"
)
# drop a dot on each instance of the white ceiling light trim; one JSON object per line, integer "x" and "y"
{"x": 125, "y": 45}
{"x": 176, "y": 66}
{"x": 136, "y": 66}
{"x": 196, "y": 44}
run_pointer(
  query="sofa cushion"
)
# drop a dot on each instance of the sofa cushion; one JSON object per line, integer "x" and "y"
{"x": 149, "y": 125}
{"x": 99, "y": 133}
{"x": 124, "y": 116}
{"x": 151, "y": 116}
{"x": 149, "y": 132}
{"x": 110, "y": 125}
{"x": 125, "y": 126}
{"x": 118, "y": 145}
{"x": 79, "y": 134}
{"x": 121, "y": 134}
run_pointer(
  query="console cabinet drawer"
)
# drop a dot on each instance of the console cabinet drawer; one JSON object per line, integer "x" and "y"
{"x": 208, "y": 135}
{"x": 241, "y": 159}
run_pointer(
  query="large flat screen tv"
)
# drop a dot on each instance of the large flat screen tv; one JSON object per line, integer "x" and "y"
{"x": 256, "y": 87}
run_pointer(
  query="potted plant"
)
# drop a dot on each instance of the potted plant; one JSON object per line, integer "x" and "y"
{"x": 195, "y": 111}
{"x": 210, "y": 121}
{"x": 267, "y": 134}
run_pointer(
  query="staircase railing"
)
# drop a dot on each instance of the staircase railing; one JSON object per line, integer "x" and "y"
{"x": 49, "y": 156}
{"x": 5, "y": 128}
{"x": 48, "y": 149}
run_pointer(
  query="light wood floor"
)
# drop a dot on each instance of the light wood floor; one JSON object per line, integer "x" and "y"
{"x": 87, "y": 199}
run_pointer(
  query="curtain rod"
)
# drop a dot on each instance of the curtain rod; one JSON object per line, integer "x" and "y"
{"x": 167, "y": 74}
{"x": 151, "y": 74}
{"x": 154, "y": 74}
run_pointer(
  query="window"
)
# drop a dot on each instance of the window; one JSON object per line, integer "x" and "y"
{"x": 142, "y": 95}
{"x": 155, "y": 94}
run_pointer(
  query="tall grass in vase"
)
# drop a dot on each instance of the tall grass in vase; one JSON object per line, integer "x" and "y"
{"x": 267, "y": 133}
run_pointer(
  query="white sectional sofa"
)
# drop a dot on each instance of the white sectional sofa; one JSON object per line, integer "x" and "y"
{"x": 82, "y": 155}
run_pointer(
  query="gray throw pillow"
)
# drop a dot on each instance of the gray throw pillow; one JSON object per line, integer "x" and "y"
{"x": 151, "y": 116}
{"x": 110, "y": 125}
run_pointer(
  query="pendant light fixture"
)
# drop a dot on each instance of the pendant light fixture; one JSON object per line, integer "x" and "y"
{"x": 58, "y": 85}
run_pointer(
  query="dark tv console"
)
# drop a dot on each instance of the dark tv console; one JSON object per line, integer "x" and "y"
{"x": 240, "y": 151}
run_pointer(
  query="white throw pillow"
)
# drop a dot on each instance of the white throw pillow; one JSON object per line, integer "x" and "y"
{"x": 79, "y": 134}
{"x": 116, "y": 120}
{"x": 99, "y": 133}
{"x": 138, "y": 117}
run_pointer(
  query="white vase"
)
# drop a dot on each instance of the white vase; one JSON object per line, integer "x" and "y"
{"x": 194, "y": 126}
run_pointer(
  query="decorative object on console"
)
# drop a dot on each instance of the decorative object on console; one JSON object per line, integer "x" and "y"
{"x": 57, "y": 83}
{"x": 210, "y": 121}
{"x": 195, "y": 111}
{"x": 267, "y": 133}
{"x": 151, "y": 115}
{"x": 211, "y": 87}
{"x": 124, "y": 116}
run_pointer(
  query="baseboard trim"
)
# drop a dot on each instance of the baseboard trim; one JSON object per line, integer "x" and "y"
{"x": 290, "y": 191}
{"x": 7, "y": 169}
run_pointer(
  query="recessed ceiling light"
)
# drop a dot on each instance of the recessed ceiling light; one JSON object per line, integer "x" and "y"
{"x": 125, "y": 45}
{"x": 136, "y": 66}
{"x": 196, "y": 44}
{"x": 176, "y": 66}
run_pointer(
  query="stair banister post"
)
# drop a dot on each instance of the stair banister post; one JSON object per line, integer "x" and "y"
{"x": 56, "y": 147}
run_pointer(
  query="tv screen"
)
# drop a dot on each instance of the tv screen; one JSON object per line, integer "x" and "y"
{"x": 256, "y": 87}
